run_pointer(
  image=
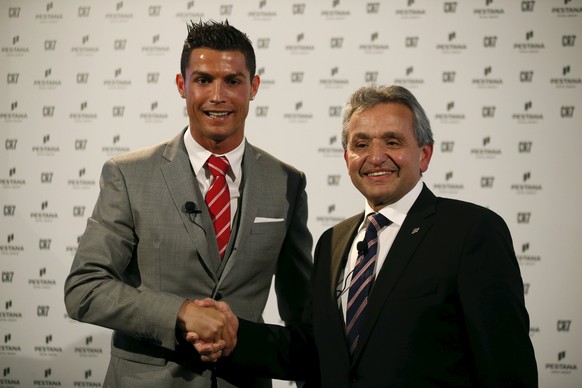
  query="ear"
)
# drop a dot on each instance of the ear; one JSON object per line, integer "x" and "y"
{"x": 425, "y": 155}
{"x": 255, "y": 86}
{"x": 180, "y": 85}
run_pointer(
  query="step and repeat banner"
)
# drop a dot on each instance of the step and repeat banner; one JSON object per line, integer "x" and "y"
{"x": 84, "y": 80}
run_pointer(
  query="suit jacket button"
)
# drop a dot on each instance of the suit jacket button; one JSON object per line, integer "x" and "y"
{"x": 218, "y": 296}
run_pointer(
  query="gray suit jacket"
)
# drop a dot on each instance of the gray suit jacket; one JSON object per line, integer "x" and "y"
{"x": 142, "y": 255}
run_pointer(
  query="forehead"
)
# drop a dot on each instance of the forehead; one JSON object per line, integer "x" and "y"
{"x": 384, "y": 117}
{"x": 205, "y": 58}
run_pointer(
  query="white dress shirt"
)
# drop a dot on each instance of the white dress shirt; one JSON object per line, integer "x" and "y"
{"x": 396, "y": 213}
{"x": 198, "y": 156}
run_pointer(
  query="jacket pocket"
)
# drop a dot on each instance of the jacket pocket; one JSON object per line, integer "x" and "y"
{"x": 133, "y": 349}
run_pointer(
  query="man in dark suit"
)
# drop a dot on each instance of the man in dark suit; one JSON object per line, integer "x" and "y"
{"x": 430, "y": 296}
{"x": 150, "y": 246}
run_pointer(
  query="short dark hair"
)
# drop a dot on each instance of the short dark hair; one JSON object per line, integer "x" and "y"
{"x": 219, "y": 36}
{"x": 369, "y": 96}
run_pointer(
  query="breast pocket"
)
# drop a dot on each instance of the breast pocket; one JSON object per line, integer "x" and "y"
{"x": 266, "y": 240}
{"x": 268, "y": 226}
{"x": 415, "y": 290}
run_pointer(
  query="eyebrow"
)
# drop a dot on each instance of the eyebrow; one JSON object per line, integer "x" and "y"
{"x": 359, "y": 135}
{"x": 230, "y": 75}
{"x": 384, "y": 135}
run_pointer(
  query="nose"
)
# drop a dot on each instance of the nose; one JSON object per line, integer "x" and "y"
{"x": 218, "y": 92}
{"x": 378, "y": 152}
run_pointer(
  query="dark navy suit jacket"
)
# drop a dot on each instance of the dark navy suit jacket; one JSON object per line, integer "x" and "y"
{"x": 447, "y": 310}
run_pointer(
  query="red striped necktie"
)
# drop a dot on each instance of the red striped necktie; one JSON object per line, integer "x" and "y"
{"x": 218, "y": 200}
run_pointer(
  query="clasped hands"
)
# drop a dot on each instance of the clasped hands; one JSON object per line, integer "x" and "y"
{"x": 210, "y": 326}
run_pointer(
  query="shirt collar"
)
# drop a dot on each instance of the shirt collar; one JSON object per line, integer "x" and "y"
{"x": 397, "y": 211}
{"x": 198, "y": 156}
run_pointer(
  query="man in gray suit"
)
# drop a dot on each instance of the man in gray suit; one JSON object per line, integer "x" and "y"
{"x": 150, "y": 249}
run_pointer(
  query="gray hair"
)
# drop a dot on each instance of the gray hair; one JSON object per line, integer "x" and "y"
{"x": 369, "y": 96}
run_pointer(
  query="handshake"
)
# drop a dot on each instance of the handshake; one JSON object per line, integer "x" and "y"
{"x": 210, "y": 326}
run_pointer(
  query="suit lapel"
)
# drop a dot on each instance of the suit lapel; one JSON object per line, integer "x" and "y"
{"x": 183, "y": 187}
{"x": 412, "y": 232}
{"x": 341, "y": 243}
{"x": 253, "y": 179}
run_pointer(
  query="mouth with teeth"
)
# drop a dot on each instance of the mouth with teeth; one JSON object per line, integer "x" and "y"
{"x": 379, "y": 173}
{"x": 216, "y": 114}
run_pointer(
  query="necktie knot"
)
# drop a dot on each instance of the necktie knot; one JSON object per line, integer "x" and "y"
{"x": 377, "y": 221}
{"x": 217, "y": 165}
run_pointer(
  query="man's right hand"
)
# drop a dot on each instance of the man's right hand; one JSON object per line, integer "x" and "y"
{"x": 206, "y": 348}
{"x": 208, "y": 325}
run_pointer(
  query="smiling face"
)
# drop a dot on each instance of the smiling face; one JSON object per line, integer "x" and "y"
{"x": 382, "y": 155}
{"x": 217, "y": 88}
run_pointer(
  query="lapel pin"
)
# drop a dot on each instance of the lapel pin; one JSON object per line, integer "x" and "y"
{"x": 415, "y": 230}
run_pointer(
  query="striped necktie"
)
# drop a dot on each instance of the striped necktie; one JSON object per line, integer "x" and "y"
{"x": 362, "y": 278}
{"x": 218, "y": 200}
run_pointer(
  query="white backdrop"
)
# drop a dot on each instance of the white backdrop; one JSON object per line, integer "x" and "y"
{"x": 84, "y": 80}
